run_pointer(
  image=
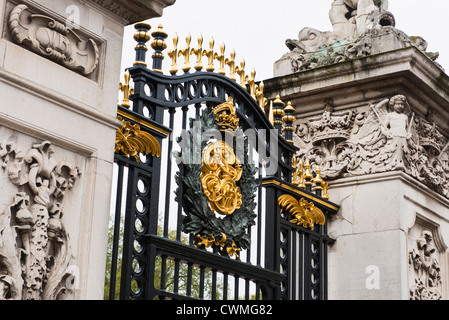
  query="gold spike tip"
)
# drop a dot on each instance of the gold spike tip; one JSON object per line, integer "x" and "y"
{"x": 289, "y": 108}
{"x": 142, "y": 25}
{"x": 142, "y": 32}
{"x": 308, "y": 174}
{"x": 318, "y": 179}
{"x": 278, "y": 101}
{"x": 159, "y": 33}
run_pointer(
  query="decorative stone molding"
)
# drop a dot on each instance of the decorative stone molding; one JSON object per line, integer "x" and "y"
{"x": 117, "y": 9}
{"x": 135, "y": 10}
{"x": 424, "y": 269}
{"x": 35, "y": 251}
{"x": 376, "y": 138}
{"x": 360, "y": 28}
{"x": 53, "y": 40}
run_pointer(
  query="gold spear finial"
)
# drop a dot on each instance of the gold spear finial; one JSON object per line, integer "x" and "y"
{"x": 301, "y": 174}
{"x": 173, "y": 54}
{"x": 186, "y": 53}
{"x": 231, "y": 63}
{"x": 199, "y": 54}
{"x": 220, "y": 57}
{"x": 260, "y": 98}
{"x": 271, "y": 113}
{"x": 251, "y": 80}
{"x": 127, "y": 90}
{"x": 318, "y": 181}
{"x": 210, "y": 55}
{"x": 308, "y": 176}
{"x": 240, "y": 70}
{"x": 295, "y": 172}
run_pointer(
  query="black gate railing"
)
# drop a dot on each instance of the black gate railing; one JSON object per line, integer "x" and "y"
{"x": 207, "y": 217}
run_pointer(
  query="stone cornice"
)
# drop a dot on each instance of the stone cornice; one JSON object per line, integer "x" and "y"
{"x": 133, "y": 11}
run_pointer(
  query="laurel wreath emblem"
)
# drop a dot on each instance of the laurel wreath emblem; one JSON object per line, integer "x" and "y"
{"x": 218, "y": 195}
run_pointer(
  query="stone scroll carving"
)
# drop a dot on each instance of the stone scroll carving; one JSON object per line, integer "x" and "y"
{"x": 53, "y": 40}
{"x": 360, "y": 28}
{"x": 35, "y": 252}
{"x": 425, "y": 270}
{"x": 380, "y": 137}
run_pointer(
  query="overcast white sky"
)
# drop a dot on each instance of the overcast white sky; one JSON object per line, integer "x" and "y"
{"x": 257, "y": 29}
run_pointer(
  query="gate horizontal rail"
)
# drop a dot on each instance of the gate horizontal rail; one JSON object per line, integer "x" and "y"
{"x": 188, "y": 254}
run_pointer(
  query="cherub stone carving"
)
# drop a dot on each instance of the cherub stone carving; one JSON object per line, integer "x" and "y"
{"x": 376, "y": 138}
{"x": 389, "y": 120}
{"x": 397, "y": 125}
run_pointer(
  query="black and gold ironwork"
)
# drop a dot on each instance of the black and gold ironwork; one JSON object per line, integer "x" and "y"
{"x": 142, "y": 36}
{"x": 159, "y": 45}
{"x": 288, "y": 120}
{"x": 278, "y": 113}
{"x": 304, "y": 178}
{"x": 214, "y": 211}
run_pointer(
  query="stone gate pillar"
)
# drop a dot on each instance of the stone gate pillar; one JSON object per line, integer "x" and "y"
{"x": 59, "y": 75}
{"x": 372, "y": 112}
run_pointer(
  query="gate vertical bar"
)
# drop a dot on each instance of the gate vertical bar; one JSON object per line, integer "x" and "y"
{"x": 125, "y": 286}
{"x": 272, "y": 239}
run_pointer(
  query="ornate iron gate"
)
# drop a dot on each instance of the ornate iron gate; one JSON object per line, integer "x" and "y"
{"x": 213, "y": 202}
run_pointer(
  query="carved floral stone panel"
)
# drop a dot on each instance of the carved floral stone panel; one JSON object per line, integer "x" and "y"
{"x": 35, "y": 249}
{"x": 376, "y": 138}
{"x": 425, "y": 281}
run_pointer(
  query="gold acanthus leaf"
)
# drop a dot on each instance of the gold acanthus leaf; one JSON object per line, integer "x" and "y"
{"x": 131, "y": 141}
{"x": 303, "y": 212}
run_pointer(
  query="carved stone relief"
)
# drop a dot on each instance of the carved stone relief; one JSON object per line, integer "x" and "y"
{"x": 35, "y": 250}
{"x": 425, "y": 282}
{"x": 380, "y": 137}
{"x": 360, "y": 28}
{"x": 53, "y": 40}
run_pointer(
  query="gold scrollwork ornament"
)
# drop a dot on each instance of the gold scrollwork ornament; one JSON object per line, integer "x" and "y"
{"x": 304, "y": 213}
{"x": 219, "y": 176}
{"x": 131, "y": 141}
